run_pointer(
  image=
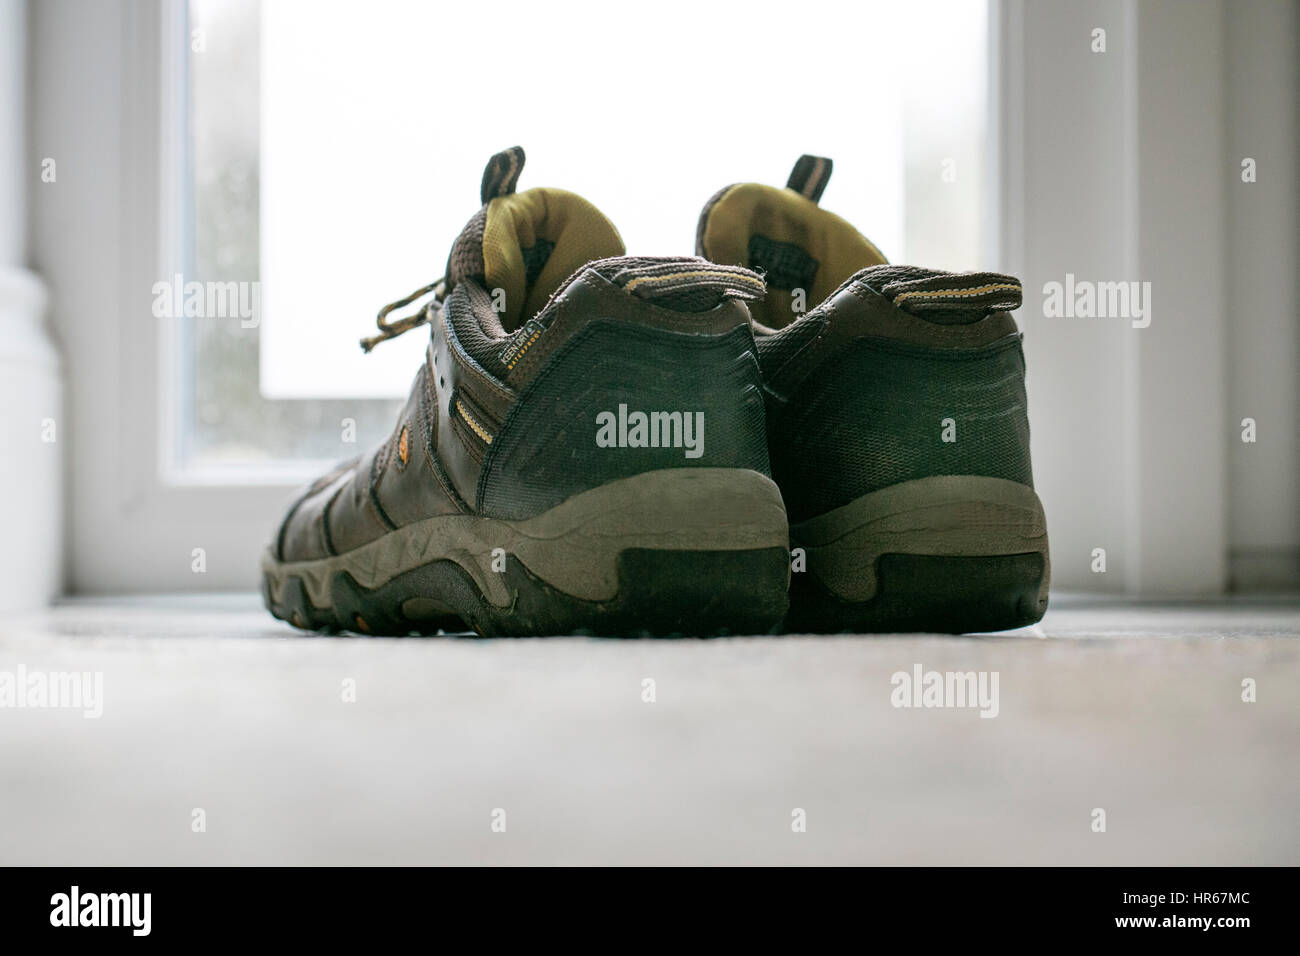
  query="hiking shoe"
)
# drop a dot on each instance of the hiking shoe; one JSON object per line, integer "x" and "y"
{"x": 896, "y": 422}
{"x": 583, "y": 449}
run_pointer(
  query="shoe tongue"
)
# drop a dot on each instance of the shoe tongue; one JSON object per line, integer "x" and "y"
{"x": 803, "y": 251}
{"x": 527, "y": 244}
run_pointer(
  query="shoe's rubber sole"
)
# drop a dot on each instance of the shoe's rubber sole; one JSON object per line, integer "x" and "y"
{"x": 951, "y": 554}
{"x": 678, "y": 551}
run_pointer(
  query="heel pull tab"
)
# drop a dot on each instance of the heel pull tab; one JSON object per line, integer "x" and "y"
{"x": 810, "y": 176}
{"x": 502, "y": 174}
{"x": 977, "y": 291}
{"x": 686, "y": 284}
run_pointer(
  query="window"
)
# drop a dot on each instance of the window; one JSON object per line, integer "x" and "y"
{"x": 334, "y": 150}
{"x": 226, "y": 415}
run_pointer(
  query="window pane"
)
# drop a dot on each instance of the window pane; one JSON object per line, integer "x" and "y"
{"x": 338, "y": 146}
{"x": 224, "y": 416}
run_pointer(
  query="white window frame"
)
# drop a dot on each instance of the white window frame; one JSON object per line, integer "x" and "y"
{"x": 134, "y": 521}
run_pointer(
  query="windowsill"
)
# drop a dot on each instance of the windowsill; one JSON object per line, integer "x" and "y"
{"x": 265, "y": 474}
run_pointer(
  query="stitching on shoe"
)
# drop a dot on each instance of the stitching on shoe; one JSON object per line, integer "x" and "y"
{"x": 960, "y": 293}
{"x": 473, "y": 423}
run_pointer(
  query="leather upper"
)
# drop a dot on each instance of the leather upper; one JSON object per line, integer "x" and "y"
{"x": 455, "y": 436}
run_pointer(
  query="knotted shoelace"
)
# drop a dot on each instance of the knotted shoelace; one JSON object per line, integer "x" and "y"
{"x": 391, "y": 330}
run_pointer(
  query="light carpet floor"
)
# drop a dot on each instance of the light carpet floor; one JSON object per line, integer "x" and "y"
{"x": 208, "y": 704}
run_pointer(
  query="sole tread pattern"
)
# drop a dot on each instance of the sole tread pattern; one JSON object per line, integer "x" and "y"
{"x": 661, "y": 593}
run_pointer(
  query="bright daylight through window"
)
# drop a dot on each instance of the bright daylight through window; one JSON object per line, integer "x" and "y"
{"x": 305, "y": 199}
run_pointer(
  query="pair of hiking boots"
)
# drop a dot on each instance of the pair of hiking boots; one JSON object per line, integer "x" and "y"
{"x": 783, "y": 431}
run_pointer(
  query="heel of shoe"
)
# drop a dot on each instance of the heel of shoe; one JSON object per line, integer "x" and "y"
{"x": 696, "y": 551}
{"x": 949, "y": 553}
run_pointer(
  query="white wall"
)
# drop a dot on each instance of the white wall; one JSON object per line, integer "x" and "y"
{"x": 13, "y": 128}
{"x": 76, "y": 243}
{"x": 1123, "y": 165}
{"x": 1263, "y": 320}
{"x": 1068, "y": 208}
{"x": 1178, "y": 400}
{"x": 31, "y": 569}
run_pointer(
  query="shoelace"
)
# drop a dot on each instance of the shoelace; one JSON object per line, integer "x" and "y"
{"x": 391, "y": 330}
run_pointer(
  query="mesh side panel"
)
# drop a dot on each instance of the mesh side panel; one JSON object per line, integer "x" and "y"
{"x": 466, "y": 259}
{"x": 478, "y": 328}
{"x": 777, "y": 349}
{"x": 547, "y": 451}
{"x": 873, "y": 417}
